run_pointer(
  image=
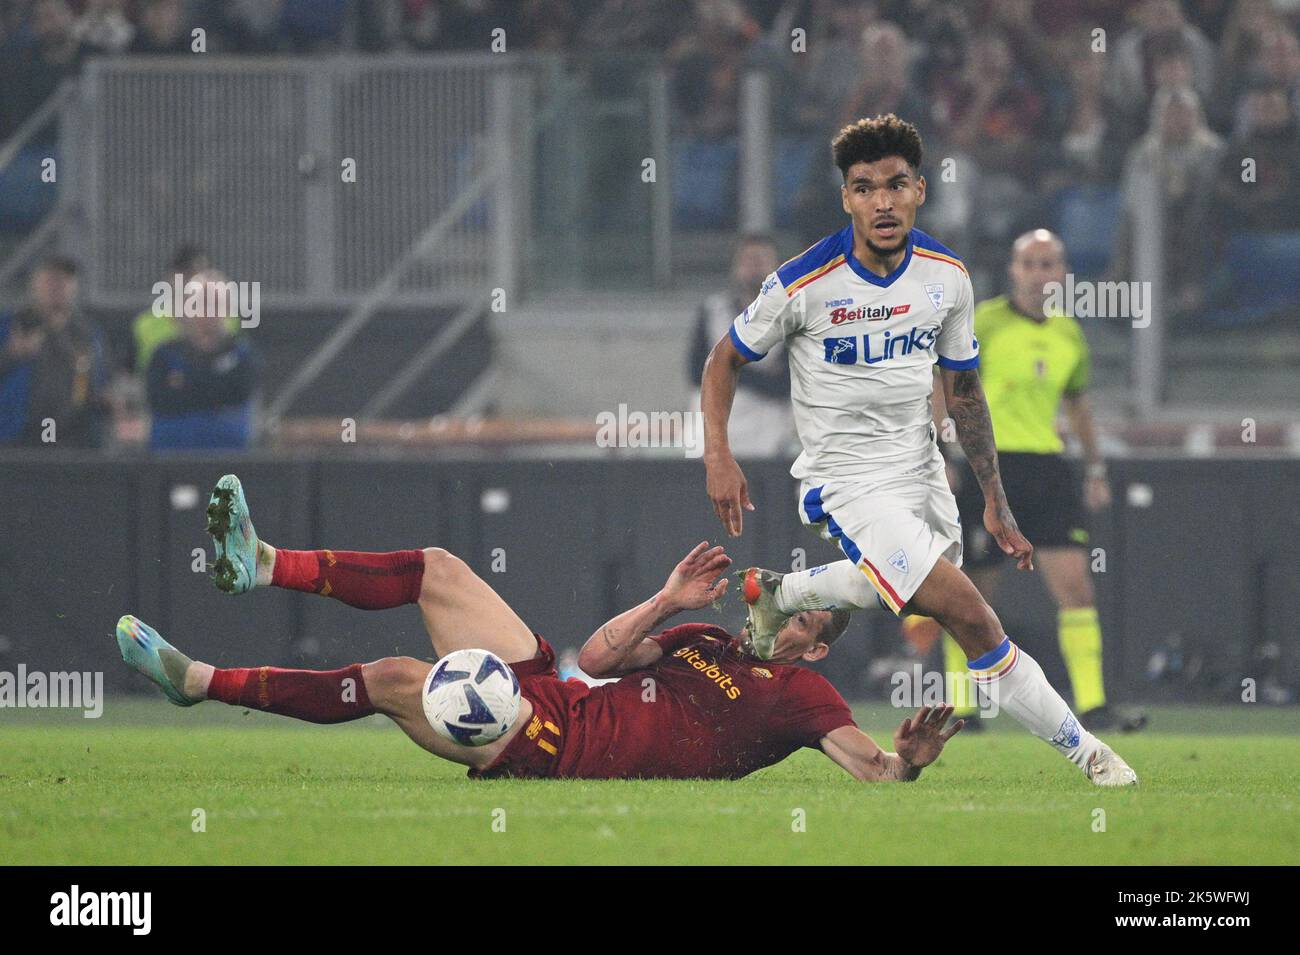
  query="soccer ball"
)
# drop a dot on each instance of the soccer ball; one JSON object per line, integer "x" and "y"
{"x": 471, "y": 697}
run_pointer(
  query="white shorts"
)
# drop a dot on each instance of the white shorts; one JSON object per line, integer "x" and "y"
{"x": 895, "y": 530}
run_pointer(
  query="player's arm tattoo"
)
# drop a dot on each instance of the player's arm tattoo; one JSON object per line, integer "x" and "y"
{"x": 610, "y": 633}
{"x": 970, "y": 413}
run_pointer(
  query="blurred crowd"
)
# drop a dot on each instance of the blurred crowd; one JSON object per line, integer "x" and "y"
{"x": 188, "y": 366}
{"x": 1060, "y": 113}
{"x": 1050, "y": 111}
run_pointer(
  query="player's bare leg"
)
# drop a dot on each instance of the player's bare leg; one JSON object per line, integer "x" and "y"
{"x": 986, "y": 580}
{"x": 1010, "y": 677}
{"x": 460, "y": 610}
{"x": 395, "y": 685}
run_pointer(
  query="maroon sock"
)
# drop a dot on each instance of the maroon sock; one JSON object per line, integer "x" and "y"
{"x": 368, "y": 581}
{"x": 317, "y": 696}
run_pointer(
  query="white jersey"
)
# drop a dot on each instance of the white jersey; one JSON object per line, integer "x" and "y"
{"x": 861, "y": 348}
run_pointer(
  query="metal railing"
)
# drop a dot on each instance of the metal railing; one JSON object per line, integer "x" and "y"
{"x": 309, "y": 176}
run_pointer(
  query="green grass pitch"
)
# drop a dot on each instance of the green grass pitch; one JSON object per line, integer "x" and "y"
{"x": 1218, "y": 786}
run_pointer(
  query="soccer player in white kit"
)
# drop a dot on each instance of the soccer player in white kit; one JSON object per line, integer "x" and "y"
{"x": 865, "y": 314}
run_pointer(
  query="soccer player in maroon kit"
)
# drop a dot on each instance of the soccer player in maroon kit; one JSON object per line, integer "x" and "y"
{"x": 691, "y": 701}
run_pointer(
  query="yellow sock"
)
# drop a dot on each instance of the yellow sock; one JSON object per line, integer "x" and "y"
{"x": 1080, "y": 639}
{"x": 954, "y": 661}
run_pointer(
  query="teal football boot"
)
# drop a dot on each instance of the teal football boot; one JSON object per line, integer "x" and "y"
{"x": 233, "y": 539}
{"x": 146, "y": 651}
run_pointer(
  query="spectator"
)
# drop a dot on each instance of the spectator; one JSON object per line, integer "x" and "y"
{"x": 1132, "y": 64}
{"x": 633, "y": 25}
{"x": 1249, "y": 23}
{"x": 1180, "y": 156}
{"x": 104, "y": 26}
{"x": 999, "y": 108}
{"x": 1086, "y": 143}
{"x": 942, "y": 36}
{"x": 1279, "y": 64}
{"x": 31, "y": 73}
{"x": 53, "y": 365}
{"x": 246, "y": 26}
{"x": 762, "y": 423}
{"x": 1270, "y": 136}
{"x": 708, "y": 63}
{"x": 834, "y": 65}
{"x": 885, "y": 83}
{"x": 153, "y": 326}
{"x": 1210, "y": 16}
{"x": 201, "y": 385}
{"x": 162, "y": 28}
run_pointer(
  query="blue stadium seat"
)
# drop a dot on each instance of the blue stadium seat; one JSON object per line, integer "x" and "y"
{"x": 24, "y": 199}
{"x": 704, "y": 183}
{"x": 794, "y": 158}
{"x": 1258, "y": 274}
{"x": 1087, "y": 218}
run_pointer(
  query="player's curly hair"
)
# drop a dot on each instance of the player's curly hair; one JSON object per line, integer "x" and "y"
{"x": 833, "y": 628}
{"x": 869, "y": 140}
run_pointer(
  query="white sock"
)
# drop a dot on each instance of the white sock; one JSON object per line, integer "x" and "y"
{"x": 265, "y": 563}
{"x": 1011, "y": 678}
{"x": 837, "y": 586}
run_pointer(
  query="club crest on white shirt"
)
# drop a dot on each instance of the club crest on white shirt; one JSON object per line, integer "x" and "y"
{"x": 898, "y": 560}
{"x": 935, "y": 292}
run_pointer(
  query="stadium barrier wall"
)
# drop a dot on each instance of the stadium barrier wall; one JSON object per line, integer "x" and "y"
{"x": 1198, "y": 591}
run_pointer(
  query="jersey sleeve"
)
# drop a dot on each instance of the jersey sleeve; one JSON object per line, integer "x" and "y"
{"x": 957, "y": 348}
{"x": 767, "y": 321}
{"x": 811, "y": 708}
{"x": 675, "y": 637}
{"x": 1082, "y": 374}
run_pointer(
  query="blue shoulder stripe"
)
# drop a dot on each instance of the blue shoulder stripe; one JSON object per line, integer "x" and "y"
{"x": 815, "y": 257}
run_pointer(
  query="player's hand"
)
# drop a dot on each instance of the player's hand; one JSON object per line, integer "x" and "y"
{"x": 1096, "y": 493}
{"x": 728, "y": 492}
{"x": 1002, "y": 526}
{"x": 920, "y": 740}
{"x": 694, "y": 582}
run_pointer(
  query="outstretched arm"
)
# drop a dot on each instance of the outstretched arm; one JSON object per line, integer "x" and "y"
{"x": 726, "y": 482}
{"x": 963, "y": 396}
{"x": 918, "y": 743}
{"x": 621, "y": 645}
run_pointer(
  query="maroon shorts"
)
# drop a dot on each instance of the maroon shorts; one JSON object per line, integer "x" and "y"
{"x": 535, "y": 750}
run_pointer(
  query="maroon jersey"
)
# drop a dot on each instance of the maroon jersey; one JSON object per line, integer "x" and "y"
{"x": 705, "y": 710}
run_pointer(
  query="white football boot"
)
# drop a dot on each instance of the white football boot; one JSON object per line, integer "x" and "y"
{"x": 1105, "y": 768}
{"x": 758, "y": 588}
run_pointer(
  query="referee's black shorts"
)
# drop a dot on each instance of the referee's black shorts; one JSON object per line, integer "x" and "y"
{"x": 1046, "y": 496}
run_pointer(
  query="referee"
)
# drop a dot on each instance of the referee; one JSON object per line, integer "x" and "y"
{"x": 1032, "y": 364}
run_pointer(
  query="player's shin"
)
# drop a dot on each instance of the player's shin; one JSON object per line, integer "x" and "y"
{"x": 363, "y": 580}
{"x": 316, "y": 696}
{"x": 837, "y": 586}
{"x": 1010, "y": 679}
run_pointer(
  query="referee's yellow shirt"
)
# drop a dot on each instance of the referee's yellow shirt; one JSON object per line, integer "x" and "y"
{"x": 1026, "y": 367}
